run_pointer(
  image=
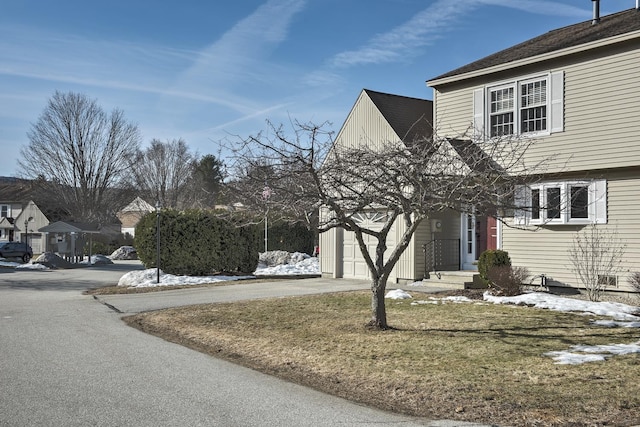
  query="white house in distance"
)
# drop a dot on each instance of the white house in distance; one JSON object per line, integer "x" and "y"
{"x": 131, "y": 214}
{"x": 575, "y": 93}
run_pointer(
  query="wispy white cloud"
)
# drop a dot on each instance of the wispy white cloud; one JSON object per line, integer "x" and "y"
{"x": 429, "y": 25}
{"x": 236, "y": 58}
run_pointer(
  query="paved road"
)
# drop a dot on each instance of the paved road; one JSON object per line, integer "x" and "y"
{"x": 68, "y": 360}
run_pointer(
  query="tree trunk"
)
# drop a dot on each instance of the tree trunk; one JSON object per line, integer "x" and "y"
{"x": 378, "y": 308}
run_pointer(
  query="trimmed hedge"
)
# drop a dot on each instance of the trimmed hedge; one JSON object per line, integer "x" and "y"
{"x": 489, "y": 259}
{"x": 284, "y": 236}
{"x": 197, "y": 243}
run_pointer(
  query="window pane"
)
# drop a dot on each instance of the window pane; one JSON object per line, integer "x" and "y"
{"x": 533, "y": 106}
{"x": 553, "y": 203}
{"x": 579, "y": 202}
{"x": 535, "y": 204}
{"x": 502, "y": 114}
{"x": 502, "y": 124}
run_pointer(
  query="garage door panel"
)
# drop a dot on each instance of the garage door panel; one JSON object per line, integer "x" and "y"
{"x": 354, "y": 265}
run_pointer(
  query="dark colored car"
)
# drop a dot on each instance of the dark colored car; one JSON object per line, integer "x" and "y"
{"x": 16, "y": 250}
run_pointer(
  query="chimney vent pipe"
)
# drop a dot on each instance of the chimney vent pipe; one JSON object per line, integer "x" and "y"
{"x": 596, "y": 12}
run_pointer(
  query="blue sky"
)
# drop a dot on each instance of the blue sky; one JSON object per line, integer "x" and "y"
{"x": 208, "y": 70}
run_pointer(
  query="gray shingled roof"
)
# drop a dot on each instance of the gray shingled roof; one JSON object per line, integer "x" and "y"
{"x": 410, "y": 118}
{"x": 562, "y": 38}
{"x": 70, "y": 227}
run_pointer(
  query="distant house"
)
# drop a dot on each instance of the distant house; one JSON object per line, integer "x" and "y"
{"x": 378, "y": 118}
{"x": 131, "y": 214}
{"x": 574, "y": 93}
{"x": 20, "y": 221}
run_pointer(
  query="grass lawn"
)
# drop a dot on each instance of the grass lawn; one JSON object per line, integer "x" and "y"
{"x": 469, "y": 361}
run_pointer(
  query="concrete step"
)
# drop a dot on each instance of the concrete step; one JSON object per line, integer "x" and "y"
{"x": 456, "y": 279}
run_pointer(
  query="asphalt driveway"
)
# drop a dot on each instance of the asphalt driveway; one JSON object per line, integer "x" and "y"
{"x": 67, "y": 359}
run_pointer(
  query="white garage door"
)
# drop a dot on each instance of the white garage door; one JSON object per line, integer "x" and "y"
{"x": 353, "y": 264}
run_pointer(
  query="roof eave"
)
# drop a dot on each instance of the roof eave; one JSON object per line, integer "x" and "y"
{"x": 534, "y": 59}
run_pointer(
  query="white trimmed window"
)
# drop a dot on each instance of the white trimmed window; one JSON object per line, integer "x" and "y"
{"x": 4, "y": 211}
{"x": 565, "y": 202}
{"x": 528, "y": 106}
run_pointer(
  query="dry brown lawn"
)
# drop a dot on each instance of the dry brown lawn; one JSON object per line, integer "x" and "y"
{"x": 471, "y": 361}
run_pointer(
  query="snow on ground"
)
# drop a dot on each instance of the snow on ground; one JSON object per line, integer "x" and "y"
{"x": 308, "y": 266}
{"x": 553, "y": 302}
{"x": 149, "y": 277}
{"x": 623, "y": 315}
{"x": 398, "y": 294}
{"x": 295, "y": 264}
{"x": 31, "y": 266}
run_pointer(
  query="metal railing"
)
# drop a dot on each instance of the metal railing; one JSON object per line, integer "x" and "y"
{"x": 441, "y": 255}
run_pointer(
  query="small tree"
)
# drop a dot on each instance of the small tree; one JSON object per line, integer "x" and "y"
{"x": 596, "y": 256}
{"x": 391, "y": 180}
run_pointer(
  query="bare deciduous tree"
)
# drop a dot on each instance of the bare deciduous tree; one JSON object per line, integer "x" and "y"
{"x": 409, "y": 181}
{"x": 80, "y": 154}
{"x": 595, "y": 255}
{"x": 163, "y": 172}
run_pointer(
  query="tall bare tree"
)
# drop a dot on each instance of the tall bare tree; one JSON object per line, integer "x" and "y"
{"x": 163, "y": 172}
{"x": 409, "y": 181}
{"x": 80, "y": 154}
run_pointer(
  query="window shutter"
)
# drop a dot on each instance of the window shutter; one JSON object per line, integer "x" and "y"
{"x": 478, "y": 114}
{"x": 598, "y": 206}
{"x": 557, "y": 101}
{"x": 522, "y": 200}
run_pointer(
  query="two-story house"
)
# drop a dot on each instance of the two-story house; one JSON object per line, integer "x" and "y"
{"x": 21, "y": 221}
{"x": 575, "y": 92}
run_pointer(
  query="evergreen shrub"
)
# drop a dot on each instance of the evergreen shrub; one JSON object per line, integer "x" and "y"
{"x": 197, "y": 243}
{"x": 489, "y": 259}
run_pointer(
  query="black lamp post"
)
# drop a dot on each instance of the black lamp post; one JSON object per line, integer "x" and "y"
{"x": 26, "y": 230}
{"x": 158, "y": 241}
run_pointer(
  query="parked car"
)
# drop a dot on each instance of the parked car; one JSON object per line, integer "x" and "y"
{"x": 16, "y": 250}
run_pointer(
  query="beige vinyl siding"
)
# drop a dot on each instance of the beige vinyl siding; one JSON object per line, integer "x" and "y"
{"x": 365, "y": 117}
{"x": 545, "y": 249}
{"x": 454, "y": 113}
{"x": 601, "y": 110}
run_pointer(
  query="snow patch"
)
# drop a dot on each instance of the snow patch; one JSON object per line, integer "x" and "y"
{"x": 397, "y": 294}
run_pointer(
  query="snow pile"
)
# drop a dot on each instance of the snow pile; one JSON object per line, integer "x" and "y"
{"x": 51, "y": 260}
{"x": 124, "y": 253}
{"x": 149, "y": 277}
{"x": 99, "y": 260}
{"x": 281, "y": 263}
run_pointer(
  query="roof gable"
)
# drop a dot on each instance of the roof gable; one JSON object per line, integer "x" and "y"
{"x": 70, "y": 227}
{"x": 138, "y": 205}
{"x": 410, "y": 118}
{"x": 567, "y": 37}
